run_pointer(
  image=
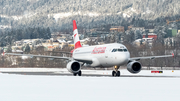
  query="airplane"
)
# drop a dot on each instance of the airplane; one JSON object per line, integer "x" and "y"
{"x": 107, "y": 55}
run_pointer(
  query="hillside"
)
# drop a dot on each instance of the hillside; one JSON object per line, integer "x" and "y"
{"x": 58, "y": 14}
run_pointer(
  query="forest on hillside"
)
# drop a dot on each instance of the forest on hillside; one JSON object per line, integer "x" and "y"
{"x": 7, "y": 38}
{"x": 21, "y": 7}
{"x": 41, "y": 13}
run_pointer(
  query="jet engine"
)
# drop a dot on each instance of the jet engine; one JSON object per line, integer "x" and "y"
{"x": 73, "y": 67}
{"x": 134, "y": 67}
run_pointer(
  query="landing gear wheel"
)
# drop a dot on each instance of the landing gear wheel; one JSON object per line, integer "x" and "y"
{"x": 113, "y": 73}
{"x": 118, "y": 73}
{"x": 79, "y": 73}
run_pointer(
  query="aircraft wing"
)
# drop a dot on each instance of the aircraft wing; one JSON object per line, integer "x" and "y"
{"x": 84, "y": 61}
{"x": 150, "y": 57}
{"x": 61, "y": 52}
{"x": 53, "y": 57}
{"x": 44, "y": 56}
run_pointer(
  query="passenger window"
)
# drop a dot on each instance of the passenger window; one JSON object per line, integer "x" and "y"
{"x": 113, "y": 50}
{"x": 120, "y": 50}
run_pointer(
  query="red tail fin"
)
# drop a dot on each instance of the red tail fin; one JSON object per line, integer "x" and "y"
{"x": 77, "y": 43}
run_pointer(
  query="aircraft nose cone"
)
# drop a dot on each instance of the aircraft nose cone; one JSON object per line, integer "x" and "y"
{"x": 125, "y": 58}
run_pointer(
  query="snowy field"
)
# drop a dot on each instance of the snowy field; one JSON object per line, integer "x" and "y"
{"x": 69, "y": 88}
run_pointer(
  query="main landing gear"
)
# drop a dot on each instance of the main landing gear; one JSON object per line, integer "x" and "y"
{"x": 115, "y": 71}
{"x": 78, "y": 73}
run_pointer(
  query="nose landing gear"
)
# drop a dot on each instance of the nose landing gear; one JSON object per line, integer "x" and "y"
{"x": 115, "y": 71}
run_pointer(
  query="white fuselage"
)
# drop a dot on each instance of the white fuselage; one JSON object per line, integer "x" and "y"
{"x": 103, "y": 55}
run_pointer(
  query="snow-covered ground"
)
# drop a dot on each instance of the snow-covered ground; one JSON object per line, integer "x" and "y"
{"x": 64, "y": 88}
{"x": 69, "y": 88}
{"x": 173, "y": 73}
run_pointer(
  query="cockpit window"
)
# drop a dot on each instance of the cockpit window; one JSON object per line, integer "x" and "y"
{"x": 115, "y": 50}
{"x": 125, "y": 50}
{"x": 120, "y": 50}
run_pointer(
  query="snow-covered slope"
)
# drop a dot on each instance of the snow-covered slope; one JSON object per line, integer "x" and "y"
{"x": 59, "y": 13}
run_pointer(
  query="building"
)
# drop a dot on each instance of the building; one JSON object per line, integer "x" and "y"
{"x": 117, "y": 29}
{"x": 150, "y": 35}
{"x": 143, "y": 41}
{"x": 137, "y": 28}
{"x": 18, "y": 43}
{"x": 17, "y": 49}
{"x": 97, "y": 33}
{"x": 151, "y": 30}
{"x": 171, "y": 32}
{"x": 178, "y": 31}
{"x": 130, "y": 27}
{"x": 174, "y": 32}
{"x": 169, "y": 42}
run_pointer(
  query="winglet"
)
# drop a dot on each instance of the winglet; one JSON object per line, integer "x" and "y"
{"x": 172, "y": 54}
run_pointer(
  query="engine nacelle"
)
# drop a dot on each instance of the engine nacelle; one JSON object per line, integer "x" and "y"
{"x": 73, "y": 67}
{"x": 134, "y": 67}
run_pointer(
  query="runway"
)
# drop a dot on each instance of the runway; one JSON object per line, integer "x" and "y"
{"x": 83, "y": 75}
{"x": 86, "y": 73}
{"x": 34, "y": 84}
